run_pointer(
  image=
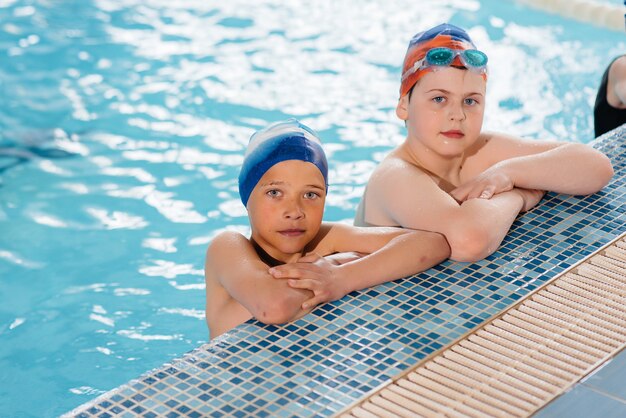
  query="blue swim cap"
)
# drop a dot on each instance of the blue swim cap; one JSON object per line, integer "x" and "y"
{"x": 281, "y": 141}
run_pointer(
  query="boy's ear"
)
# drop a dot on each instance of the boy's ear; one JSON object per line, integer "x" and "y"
{"x": 402, "y": 109}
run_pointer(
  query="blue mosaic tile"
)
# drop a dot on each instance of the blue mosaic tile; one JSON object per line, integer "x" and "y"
{"x": 332, "y": 357}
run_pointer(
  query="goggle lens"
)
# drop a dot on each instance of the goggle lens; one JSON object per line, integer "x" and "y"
{"x": 474, "y": 58}
{"x": 471, "y": 58}
{"x": 440, "y": 56}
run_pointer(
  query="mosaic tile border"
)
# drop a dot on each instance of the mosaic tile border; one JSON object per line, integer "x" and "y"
{"x": 523, "y": 358}
{"x": 345, "y": 349}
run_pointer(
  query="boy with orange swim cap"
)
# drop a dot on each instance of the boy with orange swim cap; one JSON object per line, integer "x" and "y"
{"x": 440, "y": 46}
{"x": 450, "y": 177}
{"x": 293, "y": 261}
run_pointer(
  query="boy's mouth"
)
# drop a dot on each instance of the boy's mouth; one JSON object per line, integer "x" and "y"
{"x": 291, "y": 232}
{"x": 453, "y": 134}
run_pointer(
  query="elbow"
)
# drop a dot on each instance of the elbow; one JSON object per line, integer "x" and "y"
{"x": 440, "y": 248}
{"x": 600, "y": 173}
{"x": 605, "y": 171}
{"x": 470, "y": 244}
{"x": 279, "y": 310}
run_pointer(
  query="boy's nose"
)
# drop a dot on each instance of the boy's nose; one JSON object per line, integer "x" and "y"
{"x": 293, "y": 210}
{"x": 457, "y": 113}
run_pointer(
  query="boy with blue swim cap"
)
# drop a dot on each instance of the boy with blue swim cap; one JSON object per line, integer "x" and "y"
{"x": 450, "y": 177}
{"x": 293, "y": 261}
{"x": 288, "y": 140}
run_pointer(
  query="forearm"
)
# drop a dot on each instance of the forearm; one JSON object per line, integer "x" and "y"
{"x": 403, "y": 256}
{"x": 268, "y": 299}
{"x": 570, "y": 168}
{"x": 479, "y": 225}
{"x": 236, "y": 271}
{"x": 275, "y": 302}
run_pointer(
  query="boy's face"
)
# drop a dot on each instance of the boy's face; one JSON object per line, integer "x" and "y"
{"x": 445, "y": 111}
{"x": 286, "y": 208}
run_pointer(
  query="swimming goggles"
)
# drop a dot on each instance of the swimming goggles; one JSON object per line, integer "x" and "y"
{"x": 472, "y": 59}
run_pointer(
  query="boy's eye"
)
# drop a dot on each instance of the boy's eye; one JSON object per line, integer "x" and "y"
{"x": 438, "y": 99}
{"x": 311, "y": 195}
{"x": 469, "y": 101}
{"x": 273, "y": 193}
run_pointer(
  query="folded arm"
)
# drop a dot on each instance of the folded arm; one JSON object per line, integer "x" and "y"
{"x": 474, "y": 228}
{"x": 392, "y": 253}
{"x": 245, "y": 278}
{"x": 568, "y": 168}
{"x": 377, "y": 255}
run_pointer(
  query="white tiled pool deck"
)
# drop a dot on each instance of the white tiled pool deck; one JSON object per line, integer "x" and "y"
{"x": 334, "y": 356}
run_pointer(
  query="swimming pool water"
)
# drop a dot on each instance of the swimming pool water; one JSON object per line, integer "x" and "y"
{"x": 121, "y": 130}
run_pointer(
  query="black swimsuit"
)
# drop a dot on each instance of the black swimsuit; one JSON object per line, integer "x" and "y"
{"x": 264, "y": 256}
{"x": 605, "y": 116}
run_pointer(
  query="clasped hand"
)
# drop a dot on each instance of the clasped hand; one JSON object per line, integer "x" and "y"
{"x": 318, "y": 274}
{"x": 490, "y": 182}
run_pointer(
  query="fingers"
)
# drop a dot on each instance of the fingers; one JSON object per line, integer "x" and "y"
{"x": 459, "y": 194}
{"x": 313, "y": 302}
{"x": 474, "y": 191}
{"x": 302, "y": 284}
{"x": 477, "y": 193}
{"x": 320, "y": 296}
{"x": 480, "y": 191}
{"x": 469, "y": 191}
{"x": 487, "y": 193}
{"x": 294, "y": 270}
{"x": 343, "y": 258}
{"x": 309, "y": 262}
{"x": 287, "y": 272}
{"x": 309, "y": 258}
{"x": 484, "y": 186}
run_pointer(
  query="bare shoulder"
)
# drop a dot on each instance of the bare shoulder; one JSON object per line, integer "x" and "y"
{"x": 619, "y": 66}
{"x": 223, "y": 248}
{"x": 397, "y": 192}
{"x": 396, "y": 171}
{"x": 225, "y": 241}
{"x": 222, "y": 310}
{"x": 216, "y": 295}
{"x": 616, "y": 88}
{"x": 396, "y": 161}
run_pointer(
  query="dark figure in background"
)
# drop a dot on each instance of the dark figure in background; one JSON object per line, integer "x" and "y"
{"x": 609, "y": 111}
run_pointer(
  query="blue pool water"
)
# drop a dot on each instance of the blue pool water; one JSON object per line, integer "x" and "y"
{"x": 122, "y": 125}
